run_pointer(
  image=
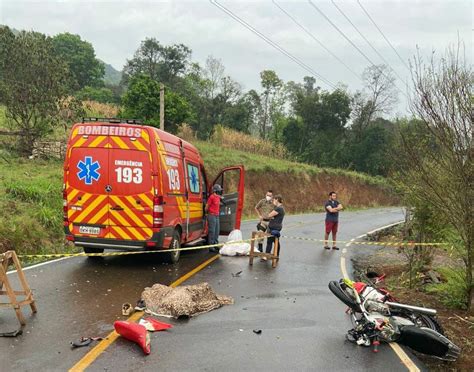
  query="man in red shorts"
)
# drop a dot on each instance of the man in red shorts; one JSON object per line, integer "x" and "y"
{"x": 332, "y": 208}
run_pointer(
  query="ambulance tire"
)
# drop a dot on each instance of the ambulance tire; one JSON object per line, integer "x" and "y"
{"x": 93, "y": 250}
{"x": 173, "y": 257}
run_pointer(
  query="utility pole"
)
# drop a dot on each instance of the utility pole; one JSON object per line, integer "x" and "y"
{"x": 162, "y": 106}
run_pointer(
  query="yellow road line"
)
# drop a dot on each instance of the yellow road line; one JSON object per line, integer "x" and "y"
{"x": 404, "y": 357}
{"x": 193, "y": 272}
{"x": 343, "y": 268}
{"x": 92, "y": 355}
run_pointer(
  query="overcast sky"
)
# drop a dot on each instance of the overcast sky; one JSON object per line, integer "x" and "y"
{"x": 115, "y": 28}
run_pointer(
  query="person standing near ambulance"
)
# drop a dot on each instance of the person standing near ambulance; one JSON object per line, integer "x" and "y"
{"x": 213, "y": 210}
{"x": 276, "y": 224}
{"x": 263, "y": 208}
{"x": 332, "y": 207}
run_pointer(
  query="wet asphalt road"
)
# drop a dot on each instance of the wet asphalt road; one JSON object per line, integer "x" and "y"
{"x": 303, "y": 324}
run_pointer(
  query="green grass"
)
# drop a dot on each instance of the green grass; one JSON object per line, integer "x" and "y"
{"x": 452, "y": 291}
{"x": 3, "y": 118}
{"x": 31, "y": 206}
{"x": 216, "y": 157}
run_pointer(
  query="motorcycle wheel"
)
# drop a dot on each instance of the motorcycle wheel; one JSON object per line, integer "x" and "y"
{"x": 422, "y": 320}
{"x": 340, "y": 292}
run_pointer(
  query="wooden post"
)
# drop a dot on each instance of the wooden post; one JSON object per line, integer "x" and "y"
{"x": 276, "y": 248}
{"x": 5, "y": 260}
{"x": 162, "y": 106}
{"x": 252, "y": 248}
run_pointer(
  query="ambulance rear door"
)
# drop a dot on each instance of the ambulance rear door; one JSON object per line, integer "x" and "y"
{"x": 87, "y": 177}
{"x": 232, "y": 182}
{"x": 130, "y": 187}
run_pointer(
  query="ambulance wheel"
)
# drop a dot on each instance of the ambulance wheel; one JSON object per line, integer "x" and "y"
{"x": 173, "y": 257}
{"x": 93, "y": 250}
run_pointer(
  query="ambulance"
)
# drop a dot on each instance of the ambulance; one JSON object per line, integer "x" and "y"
{"x": 128, "y": 186}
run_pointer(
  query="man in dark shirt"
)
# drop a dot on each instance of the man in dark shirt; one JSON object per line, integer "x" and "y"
{"x": 276, "y": 223}
{"x": 332, "y": 207}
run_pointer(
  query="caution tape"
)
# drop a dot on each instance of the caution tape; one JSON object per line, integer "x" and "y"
{"x": 394, "y": 244}
{"x": 127, "y": 253}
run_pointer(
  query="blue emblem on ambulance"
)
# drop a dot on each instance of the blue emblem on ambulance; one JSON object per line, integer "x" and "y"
{"x": 88, "y": 170}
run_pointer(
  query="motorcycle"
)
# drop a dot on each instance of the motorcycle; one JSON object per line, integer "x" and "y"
{"x": 376, "y": 317}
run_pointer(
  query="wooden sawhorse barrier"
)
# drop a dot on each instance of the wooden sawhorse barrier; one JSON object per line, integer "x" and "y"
{"x": 5, "y": 260}
{"x": 272, "y": 256}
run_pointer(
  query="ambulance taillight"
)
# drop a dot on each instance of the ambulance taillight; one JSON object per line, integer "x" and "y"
{"x": 158, "y": 212}
{"x": 65, "y": 218}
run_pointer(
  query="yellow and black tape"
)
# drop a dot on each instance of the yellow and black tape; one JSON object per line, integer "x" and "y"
{"x": 126, "y": 253}
{"x": 393, "y": 244}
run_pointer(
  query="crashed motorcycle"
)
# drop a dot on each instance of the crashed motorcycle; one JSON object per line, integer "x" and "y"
{"x": 377, "y": 318}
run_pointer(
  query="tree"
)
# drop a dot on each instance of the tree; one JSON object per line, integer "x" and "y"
{"x": 34, "y": 81}
{"x": 103, "y": 95}
{"x": 142, "y": 101}
{"x": 270, "y": 100}
{"x": 79, "y": 55}
{"x": 437, "y": 168}
{"x": 316, "y": 129}
{"x": 369, "y": 153}
{"x": 213, "y": 74}
{"x": 378, "y": 98}
{"x": 161, "y": 63}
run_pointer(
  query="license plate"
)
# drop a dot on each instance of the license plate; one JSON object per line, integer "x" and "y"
{"x": 91, "y": 230}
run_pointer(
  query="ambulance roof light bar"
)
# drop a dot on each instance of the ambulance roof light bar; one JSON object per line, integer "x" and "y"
{"x": 112, "y": 120}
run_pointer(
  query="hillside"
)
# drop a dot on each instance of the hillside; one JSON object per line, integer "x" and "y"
{"x": 30, "y": 192}
{"x": 112, "y": 76}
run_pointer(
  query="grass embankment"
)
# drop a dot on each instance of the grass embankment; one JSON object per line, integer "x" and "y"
{"x": 304, "y": 187}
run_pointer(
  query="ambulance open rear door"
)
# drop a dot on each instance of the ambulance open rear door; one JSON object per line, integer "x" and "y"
{"x": 232, "y": 181}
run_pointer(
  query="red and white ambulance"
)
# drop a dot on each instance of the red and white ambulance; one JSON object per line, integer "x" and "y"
{"x": 129, "y": 186}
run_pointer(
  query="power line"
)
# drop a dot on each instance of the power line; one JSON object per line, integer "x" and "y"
{"x": 272, "y": 43}
{"x": 351, "y": 42}
{"x": 368, "y": 42}
{"x": 388, "y": 41}
{"x": 315, "y": 39}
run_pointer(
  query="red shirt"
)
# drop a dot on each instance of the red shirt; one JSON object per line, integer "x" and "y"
{"x": 213, "y": 204}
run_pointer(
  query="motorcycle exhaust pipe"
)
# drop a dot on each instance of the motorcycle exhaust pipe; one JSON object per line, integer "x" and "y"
{"x": 422, "y": 310}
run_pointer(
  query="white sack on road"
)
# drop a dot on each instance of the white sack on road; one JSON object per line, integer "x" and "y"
{"x": 236, "y": 249}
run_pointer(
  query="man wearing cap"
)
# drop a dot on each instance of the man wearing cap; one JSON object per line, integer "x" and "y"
{"x": 263, "y": 208}
{"x": 212, "y": 209}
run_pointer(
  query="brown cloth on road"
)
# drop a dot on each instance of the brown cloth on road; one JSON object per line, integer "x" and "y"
{"x": 188, "y": 300}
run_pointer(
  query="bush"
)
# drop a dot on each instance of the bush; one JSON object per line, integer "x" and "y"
{"x": 452, "y": 292}
{"x": 102, "y": 95}
{"x": 100, "y": 110}
{"x": 235, "y": 140}
{"x": 186, "y": 132}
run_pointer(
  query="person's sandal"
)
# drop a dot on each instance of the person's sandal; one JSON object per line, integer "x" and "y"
{"x": 326, "y": 247}
{"x": 335, "y": 248}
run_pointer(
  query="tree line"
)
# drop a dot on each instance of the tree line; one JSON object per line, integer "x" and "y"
{"x": 43, "y": 80}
